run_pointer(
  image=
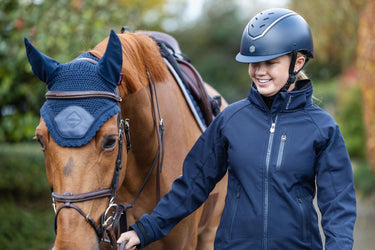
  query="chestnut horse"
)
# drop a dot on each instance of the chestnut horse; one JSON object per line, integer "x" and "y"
{"x": 84, "y": 171}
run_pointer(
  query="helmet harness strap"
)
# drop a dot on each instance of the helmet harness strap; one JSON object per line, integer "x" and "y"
{"x": 292, "y": 74}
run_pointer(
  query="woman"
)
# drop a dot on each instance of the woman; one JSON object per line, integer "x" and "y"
{"x": 279, "y": 150}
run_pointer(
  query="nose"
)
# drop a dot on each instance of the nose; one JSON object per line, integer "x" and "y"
{"x": 257, "y": 68}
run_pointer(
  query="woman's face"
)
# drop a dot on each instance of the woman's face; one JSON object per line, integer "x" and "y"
{"x": 270, "y": 76}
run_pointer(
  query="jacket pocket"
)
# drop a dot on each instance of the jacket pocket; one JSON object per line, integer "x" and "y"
{"x": 303, "y": 217}
{"x": 234, "y": 214}
{"x": 281, "y": 151}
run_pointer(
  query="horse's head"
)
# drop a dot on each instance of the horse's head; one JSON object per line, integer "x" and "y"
{"x": 80, "y": 133}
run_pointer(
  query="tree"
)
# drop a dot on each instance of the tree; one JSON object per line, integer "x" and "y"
{"x": 60, "y": 29}
{"x": 212, "y": 42}
{"x": 334, "y": 26}
{"x": 366, "y": 69}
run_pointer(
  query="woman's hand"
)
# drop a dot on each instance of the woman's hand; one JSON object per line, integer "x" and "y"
{"x": 132, "y": 239}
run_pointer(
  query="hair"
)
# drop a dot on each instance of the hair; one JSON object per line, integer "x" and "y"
{"x": 139, "y": 52}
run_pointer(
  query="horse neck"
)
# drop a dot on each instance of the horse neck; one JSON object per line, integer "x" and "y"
{"x": 181, "y": 131}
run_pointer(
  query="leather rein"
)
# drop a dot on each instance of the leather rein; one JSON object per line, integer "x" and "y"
{"x": 114, "y": 218}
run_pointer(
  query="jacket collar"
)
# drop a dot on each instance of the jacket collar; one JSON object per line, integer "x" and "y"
{"x": 298, "y": 98}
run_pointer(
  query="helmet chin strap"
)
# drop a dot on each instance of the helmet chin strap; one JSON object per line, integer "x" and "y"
{"x": 292, "y": 74}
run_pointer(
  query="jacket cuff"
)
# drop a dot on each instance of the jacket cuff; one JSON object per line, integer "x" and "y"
{"x": 139, "y": 228}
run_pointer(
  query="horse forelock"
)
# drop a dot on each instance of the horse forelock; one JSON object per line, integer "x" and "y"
{"x": 139, "y": 52}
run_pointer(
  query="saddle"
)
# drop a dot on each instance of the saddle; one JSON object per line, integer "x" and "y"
{"x": 189, "y": 76}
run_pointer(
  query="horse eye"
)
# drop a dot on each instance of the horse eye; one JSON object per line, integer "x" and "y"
{"x": 109, "y": 142}
{"x": 40, "y": 141}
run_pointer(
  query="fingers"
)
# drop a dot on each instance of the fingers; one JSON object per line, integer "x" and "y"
{"x": 129, "y": 240}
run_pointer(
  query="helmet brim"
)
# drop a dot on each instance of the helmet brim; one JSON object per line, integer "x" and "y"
{"x": 254, "y": 59}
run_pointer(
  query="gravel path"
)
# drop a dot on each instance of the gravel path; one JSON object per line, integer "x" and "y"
{"x": 364, "y": 230}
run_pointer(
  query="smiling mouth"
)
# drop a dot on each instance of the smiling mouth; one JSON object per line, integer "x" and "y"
{"x": 263, "y": 82}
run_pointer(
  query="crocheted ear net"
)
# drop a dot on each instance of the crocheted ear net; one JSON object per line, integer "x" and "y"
{"x": 74, "y": 122}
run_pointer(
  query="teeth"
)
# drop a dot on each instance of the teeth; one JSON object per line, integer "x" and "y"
{"x": 263, "y": 81}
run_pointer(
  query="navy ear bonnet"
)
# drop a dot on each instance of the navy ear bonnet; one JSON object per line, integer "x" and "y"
{"x": 74, "y": 122}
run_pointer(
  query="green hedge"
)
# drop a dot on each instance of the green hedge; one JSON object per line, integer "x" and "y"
{"x": 26, "y": 211}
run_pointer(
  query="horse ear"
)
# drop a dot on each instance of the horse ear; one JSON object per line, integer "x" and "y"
{"x": 42, "y": 66}
{"x": 110, "y": 64}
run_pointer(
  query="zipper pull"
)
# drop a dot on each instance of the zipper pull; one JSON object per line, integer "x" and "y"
{"x": 272, "y": 129}
{"x": 283, "y": 137}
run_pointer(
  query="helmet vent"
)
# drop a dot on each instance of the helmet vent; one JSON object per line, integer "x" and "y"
{"x": 258, "y": 26}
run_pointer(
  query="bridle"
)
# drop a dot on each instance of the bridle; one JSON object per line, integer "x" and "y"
{"x": 114, "y": 218}
{"x": 68, "y": 199}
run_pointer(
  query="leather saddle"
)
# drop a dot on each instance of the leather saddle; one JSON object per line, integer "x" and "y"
{"x": 170, "y": 50}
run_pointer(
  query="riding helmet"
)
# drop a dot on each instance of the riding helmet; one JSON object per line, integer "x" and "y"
{"x": 273, "y": 33}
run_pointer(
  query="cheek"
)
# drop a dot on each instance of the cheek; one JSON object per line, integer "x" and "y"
{"x": 251, "y": 72}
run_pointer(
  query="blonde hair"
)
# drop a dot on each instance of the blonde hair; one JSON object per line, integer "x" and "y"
{"x": 301, "y": 76}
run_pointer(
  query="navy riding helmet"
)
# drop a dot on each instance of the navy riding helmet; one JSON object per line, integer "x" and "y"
{"x": 273, "y": 33}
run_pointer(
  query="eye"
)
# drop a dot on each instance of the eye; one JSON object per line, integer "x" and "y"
{"x": 40, "y": 141}
{"x": 109, "y": 142}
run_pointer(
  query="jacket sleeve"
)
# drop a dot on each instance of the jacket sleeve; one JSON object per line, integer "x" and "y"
{"x": 204, "y": 166}
{"x": 336, "y": 195}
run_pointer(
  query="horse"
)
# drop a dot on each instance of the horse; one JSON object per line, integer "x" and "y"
{"x": 114, "y": 130}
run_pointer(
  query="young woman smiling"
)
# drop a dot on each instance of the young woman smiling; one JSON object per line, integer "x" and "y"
{"x": 279, "y": 149}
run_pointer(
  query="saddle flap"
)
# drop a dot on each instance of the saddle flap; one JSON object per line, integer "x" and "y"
{"x": 187, "y": 72}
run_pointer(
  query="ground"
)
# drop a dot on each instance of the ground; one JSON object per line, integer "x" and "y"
{"x": 364, "y": 230}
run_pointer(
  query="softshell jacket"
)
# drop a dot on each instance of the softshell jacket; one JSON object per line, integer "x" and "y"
{"x": 276, "y": 160}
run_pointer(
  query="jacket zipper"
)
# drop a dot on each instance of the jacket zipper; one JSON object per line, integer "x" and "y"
{"x": 303, "y": 217}
{"x": 234, "y": 212}
{"x": 266, "y": 183}
{"x": 281, "y": 151}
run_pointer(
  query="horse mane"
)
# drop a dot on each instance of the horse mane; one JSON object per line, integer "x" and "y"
{"x": 139, "y": 51}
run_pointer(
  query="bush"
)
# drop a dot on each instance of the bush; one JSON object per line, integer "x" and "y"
{"x": 26, "y": 211}
{"x": 23, "y": 228}
{"x": 23, "y": 170}
{"x": 350, "y": 119}
{"x": 363, "y": 178}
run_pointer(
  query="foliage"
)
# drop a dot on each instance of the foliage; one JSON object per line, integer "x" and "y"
{"x": 24, "y": 228}
{"x": 25, "y": 200}
{"x": 350, "y": 119}
{"x": 212, "y": 43}
{"x": 334, "y": 25}
{"x": 364, "y": 180}
{"x": 61, "y": 30}
{"x": 22, "y": 170}
{"x": 366, "y": 68}
{"x": 325, "y": 95}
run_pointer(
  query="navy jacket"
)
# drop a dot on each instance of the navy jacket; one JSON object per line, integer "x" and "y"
{"x": 276, "y": 159}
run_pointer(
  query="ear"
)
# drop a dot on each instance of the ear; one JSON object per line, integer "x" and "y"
{"x": 110, "y": 65}
{"x": 300, "y": 62}
{"x": 42, "y": 66}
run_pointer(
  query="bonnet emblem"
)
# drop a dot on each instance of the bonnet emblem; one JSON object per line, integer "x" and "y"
{"x": 74, "y": 122}
{"x": 252, "y": 49}
{"x": 73, "y": 119}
